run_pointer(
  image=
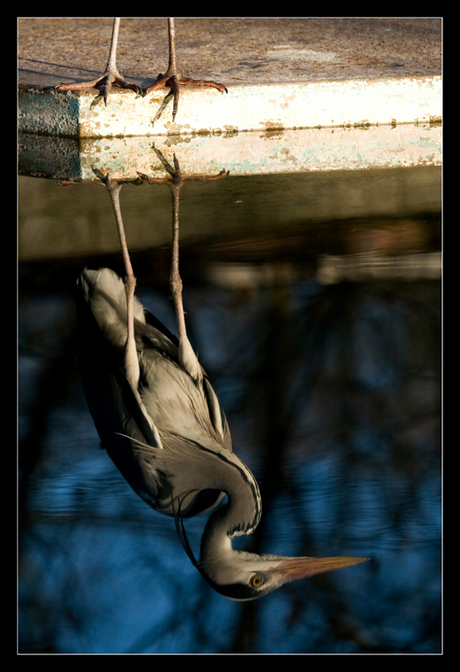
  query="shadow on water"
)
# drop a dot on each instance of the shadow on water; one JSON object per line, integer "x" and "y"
{"x": 322, "y": 338}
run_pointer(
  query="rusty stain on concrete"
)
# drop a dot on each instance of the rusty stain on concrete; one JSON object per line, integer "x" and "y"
{"x": 273, "y": 125}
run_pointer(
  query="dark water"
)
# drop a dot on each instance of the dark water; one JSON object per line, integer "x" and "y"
{"x": 322, "y": 337}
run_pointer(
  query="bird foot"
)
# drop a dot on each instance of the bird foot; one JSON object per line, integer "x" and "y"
{"x": 104, "y": 84}
{"x": 173, "y": 80}
{"x": 175, "y": 177}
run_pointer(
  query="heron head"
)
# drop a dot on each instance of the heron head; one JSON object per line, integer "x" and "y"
{"x": 247, "y": 576}
{"x": 243, "y": 576}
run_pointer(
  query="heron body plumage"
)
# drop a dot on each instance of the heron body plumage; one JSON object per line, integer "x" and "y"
{"x": 169, "y": 435}
{"x": 161, "y": 422}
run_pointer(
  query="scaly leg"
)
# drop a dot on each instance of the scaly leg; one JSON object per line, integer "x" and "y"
{"x": 131, "y": 358}
{"x": 175, "y": 281}
{"x": 187, "y": 356}
{"x": 111, "y": 76}
{"x": 173, "y": 79}
{"x": 175, "y": 182}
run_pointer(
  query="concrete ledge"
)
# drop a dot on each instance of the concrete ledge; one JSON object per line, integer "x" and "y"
{"x": 271, "y": 107}
{"x": 251, "y": 153}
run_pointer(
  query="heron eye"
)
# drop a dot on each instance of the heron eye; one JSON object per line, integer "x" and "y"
{"x": 256, "y": 581}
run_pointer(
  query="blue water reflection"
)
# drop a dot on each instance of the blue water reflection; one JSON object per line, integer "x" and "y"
{"x": 332, "y": 395}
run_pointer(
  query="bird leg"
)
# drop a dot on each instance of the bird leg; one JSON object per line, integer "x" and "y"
{"x": 111, "y": 76}
{"x": 187, "y": 356}
{"x": 175, "y": 182}
{"x": 131, "y": 358}
{"x": 175, "y": 281}
{"x": 173, "y": 79}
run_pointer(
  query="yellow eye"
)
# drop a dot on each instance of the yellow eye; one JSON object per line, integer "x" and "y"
{"x": 256, "y": 581}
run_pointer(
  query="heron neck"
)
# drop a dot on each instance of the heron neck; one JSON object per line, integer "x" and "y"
{"x": 241, "y": 514}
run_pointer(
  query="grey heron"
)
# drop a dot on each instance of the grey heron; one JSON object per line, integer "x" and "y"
{"x": 159, "y": 418}
{"x": 171, "y": 79}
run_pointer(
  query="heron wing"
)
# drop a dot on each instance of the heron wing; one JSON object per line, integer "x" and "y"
{"x": 169, "y": 404}
{"x": 118, "y": 417}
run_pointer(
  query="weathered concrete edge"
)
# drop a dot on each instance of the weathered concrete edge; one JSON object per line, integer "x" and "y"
{"x": 252, "y": 153}
{"x": 245, "y": 108}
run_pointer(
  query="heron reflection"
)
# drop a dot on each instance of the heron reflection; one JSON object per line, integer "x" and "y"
{"x": 159, "y": 418}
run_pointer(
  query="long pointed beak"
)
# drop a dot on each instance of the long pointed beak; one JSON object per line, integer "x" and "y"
{"x": 292, "y": 569}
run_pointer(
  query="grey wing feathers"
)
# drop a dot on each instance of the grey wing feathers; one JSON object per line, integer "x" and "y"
{"x": 169, "y": 405}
